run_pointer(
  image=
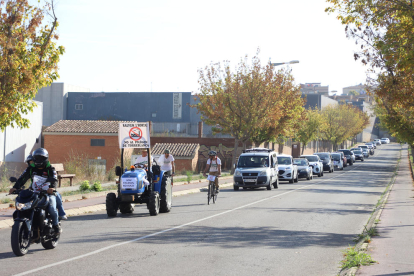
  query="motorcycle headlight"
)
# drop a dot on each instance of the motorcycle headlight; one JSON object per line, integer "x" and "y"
{"x": 237, "y": 173}
{"x": 23, "y": 206}
{"x": 262, "y": 173}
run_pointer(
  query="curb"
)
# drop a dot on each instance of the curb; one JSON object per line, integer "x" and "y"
{"x": 374, "y": 219}
{"x": 100, "y": 207}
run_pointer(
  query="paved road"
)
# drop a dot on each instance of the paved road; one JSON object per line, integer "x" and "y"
{"x": 299, "y": 229}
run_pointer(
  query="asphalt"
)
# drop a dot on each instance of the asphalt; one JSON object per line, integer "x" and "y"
{"x": 393, "y": 248}
{"x": 298, "y": 229}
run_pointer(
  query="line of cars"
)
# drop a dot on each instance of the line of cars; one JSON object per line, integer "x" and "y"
{"x": 261, "y": 167}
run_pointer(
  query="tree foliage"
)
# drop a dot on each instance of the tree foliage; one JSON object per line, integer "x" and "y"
{"x": 341, "y": 123}
{"x": 385, "y": 31}
{"x": 29, "y": 57}
{"x": 353, "y": 92}
{"x": 253, "y": 102}
{"x": 308, "y": 128}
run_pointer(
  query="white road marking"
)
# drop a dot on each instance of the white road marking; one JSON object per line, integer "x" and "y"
{"x": 176, "y": 227}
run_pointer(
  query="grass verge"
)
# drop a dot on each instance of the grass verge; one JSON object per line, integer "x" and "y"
{"x": 355, "y": 258}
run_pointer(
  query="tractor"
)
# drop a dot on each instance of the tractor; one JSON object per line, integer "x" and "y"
{"x": 140, "y": 186}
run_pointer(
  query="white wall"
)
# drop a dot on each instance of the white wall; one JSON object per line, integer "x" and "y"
{"x": 16, "y": 143}
{"x": 54, "y": 99}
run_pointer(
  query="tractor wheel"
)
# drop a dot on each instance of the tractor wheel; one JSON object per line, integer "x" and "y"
{"x": 126, "y": 208}
{"x": 166, "y": 195}
{"x": 111, "y": 205}
{"x": 154, "y": 204}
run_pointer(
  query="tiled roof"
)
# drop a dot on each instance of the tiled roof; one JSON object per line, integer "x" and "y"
{"x": 80, "y": 126}
{"x": 176, "y": 149}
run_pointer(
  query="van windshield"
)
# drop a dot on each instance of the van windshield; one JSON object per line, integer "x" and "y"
{"x": 247, "y": 161}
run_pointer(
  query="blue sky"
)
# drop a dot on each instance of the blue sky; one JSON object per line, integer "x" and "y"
{"x": 127, "y": 45}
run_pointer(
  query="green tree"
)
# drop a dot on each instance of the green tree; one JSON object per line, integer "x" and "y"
{"x": 384, "y": 30}
{"x": 29, "y": 57}
{"x": 250, "y": 103}
{"x": 354, "y": 93}
{"x": 308, "y": 127}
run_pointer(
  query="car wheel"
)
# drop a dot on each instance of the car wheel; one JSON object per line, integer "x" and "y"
{"x": 235, "y": 188}
{"x": 362, "y": 160}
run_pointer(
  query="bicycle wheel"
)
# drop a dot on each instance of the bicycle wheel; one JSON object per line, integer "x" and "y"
{"x": 214, "y": 193}
{"x": 209, "y": 193}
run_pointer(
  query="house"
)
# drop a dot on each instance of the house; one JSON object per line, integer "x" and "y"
{"x": 185, "y": 154}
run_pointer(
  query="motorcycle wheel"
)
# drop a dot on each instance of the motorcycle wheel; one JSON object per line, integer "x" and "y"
{"x": 19, "y": 243}
{"x": 51, "y": 244}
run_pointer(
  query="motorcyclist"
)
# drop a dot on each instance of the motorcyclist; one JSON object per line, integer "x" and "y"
{"x": 59, "y": 204}
{"x": 213, "y": 167}
{"x": 44, "y": 177}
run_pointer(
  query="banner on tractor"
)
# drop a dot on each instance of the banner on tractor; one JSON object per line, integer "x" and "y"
{"x": 134, "y": 135}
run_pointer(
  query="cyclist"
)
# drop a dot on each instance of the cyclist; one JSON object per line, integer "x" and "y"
{"x": 213, "y": 167}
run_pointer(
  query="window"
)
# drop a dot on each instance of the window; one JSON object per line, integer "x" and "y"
{"x": 97, "y": 142}
{"x": 154, "y": 114}
{"x": 78, "y": 106}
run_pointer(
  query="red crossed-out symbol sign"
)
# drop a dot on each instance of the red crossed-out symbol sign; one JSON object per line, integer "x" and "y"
{"x": 135, "y": 133}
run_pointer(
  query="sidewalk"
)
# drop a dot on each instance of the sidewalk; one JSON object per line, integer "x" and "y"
{"x": 95, "y": 204}
{"x": 393, "y": 249}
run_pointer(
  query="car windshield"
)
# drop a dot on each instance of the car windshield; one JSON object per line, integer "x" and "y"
{"x": 311, "y": 158}
{"x": 322, "y": 155}
{"x": 336, "y": 157}
{"x": 284, "y": 160}
{"x": 364, "y": 147}
{"x": 346, "y": 152}
{"x": 300, "y": 162}
{"x": 247, "y": 161}
{"x": 358, "y": 152}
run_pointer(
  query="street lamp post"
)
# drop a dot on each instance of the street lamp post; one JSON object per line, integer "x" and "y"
{"x": 282, "y": 63}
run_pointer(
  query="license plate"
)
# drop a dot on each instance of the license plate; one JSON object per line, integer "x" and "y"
{"x": 250, "y": 180}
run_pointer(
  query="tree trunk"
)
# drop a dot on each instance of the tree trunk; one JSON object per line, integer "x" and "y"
{"x": 236, "y": 146}
{"x": 303, "y": 149}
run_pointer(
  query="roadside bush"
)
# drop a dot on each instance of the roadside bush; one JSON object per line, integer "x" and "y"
{"x": 97, "y": 187}
{"x": 189, "y": 175}
{"x": 85, "y": 186}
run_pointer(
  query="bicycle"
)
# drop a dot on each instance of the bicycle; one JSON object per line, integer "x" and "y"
{"x": 212, "y": 193}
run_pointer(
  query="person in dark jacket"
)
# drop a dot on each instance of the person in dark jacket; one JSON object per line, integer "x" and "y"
{"x": 43, "y": 177}
{"x": 59, "y": 204}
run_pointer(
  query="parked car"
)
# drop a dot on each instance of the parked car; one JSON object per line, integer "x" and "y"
{"x": 337, "y": 161}
{"x": 304, "y": 169}
{"x": 359, "y": 155}
{"x": 366, "y": 147}
{"x": 350, "y": 158}
{"x": 316, "y": 163}
{"x": 371, "y": 148}
{"x": 255, "y": 168}
{"x": 343, "y": 157}
{"x": 378, "y": 142}
{"x": 326, "y": 161}
{"x": 287, "y": 170}
{"x": 365, "y": 151}
{"x": 385, "y": 140}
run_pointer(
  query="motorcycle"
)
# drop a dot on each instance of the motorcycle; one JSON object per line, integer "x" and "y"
{"x": 32, "y": 223}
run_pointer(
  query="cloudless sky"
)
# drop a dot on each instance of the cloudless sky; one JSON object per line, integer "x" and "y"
{"x": 127, "y": 45}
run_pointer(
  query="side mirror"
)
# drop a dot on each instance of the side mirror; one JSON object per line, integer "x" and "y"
{"x": 13, "y": 179}
{"x": 118, "y": 171}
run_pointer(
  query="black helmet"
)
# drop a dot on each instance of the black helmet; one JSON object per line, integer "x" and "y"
{"x": 40, "y": 157}
{"x": 212, "y": 153}
{"x": 28, "y": 159}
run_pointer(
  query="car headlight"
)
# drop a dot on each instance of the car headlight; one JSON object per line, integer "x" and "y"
{"x": 262, "y": 173}
{"x": 23, "y": 206}
{"x": 238, "y": 173}
{"x": 288, "y": 168}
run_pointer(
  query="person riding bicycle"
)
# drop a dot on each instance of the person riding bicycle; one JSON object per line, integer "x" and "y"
{"x": 44, "y": 177}
{"x": 213, "y": 167}
{"x": 59, "y": 204}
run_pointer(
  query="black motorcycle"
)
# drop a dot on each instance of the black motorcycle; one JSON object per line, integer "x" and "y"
{"x": 32, "y": 222}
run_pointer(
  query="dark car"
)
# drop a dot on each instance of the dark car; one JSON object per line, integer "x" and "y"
{"x": 349, "y": 156}
{"x": 359, "y": 155}
{"x": 304, "y": 169}
{"x": 326, "y": 160}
